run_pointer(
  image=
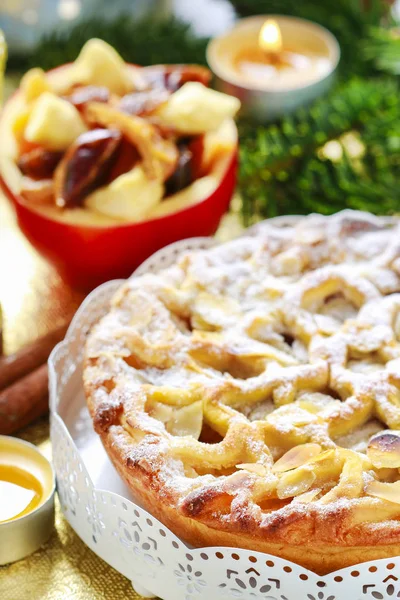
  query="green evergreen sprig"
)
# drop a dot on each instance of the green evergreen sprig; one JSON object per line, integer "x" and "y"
{"x": 284, "y": 170}
{"x": 381, "y": 49}
{"x": 144, "y": 41}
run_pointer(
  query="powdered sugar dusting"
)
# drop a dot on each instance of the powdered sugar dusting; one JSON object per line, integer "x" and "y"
{"x": 283, "y": 337}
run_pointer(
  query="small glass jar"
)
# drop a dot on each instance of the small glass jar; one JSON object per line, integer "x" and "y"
{"x": 26, "y": 500}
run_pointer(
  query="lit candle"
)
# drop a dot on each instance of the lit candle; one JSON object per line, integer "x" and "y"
{"x": 274, "y": 64}
{"x": 270, "y": 40}
{"x": 265, "y": 59}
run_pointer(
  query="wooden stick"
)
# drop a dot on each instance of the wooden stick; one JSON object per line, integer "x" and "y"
{"x": 29, "y": 358}
{"x": 24, "y": 401}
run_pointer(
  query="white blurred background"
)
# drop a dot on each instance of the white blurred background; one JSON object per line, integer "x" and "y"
{"x": 25, "y": 21}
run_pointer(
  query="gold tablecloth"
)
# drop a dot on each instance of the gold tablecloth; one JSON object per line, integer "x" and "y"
{"x": 35, "y": 300}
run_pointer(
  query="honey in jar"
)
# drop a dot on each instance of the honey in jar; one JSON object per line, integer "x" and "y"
{"x": 20, "y": 492}
{"x": 27, "y": 487}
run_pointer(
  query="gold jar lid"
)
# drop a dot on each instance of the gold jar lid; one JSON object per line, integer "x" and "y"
{"x": 27, "y": 487}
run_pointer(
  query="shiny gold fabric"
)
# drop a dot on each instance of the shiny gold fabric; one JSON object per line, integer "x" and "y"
{"x": 35, "y": 300}
{"x": 64, "y": 569}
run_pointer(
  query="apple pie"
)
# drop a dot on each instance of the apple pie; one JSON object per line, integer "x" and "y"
{"x": 249, "y": 395}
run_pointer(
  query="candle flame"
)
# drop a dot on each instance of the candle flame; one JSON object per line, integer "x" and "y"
{"x": 270, "y": 38}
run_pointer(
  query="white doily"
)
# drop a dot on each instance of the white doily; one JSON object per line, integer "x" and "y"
{"x": 104, "y": 515}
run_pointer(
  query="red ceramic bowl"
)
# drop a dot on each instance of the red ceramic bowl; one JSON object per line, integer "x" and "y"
{"x": 88, "y": 255}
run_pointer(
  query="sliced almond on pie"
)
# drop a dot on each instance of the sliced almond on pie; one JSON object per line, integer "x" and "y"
{"x": 253, "y": 468}
{"x": 296, "y": 457}
{"x": 385, "y": 491}
{"x": 307, "y": 497}
{"x": 295, "y": 483}
{"x": 384, "y": 449}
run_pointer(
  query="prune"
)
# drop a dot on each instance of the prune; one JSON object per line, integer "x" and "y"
{"x": 172, "y": 77}
{"x": 89, "y": 93}
{"x": 39, "y": 163}
{"x": 85, "y": 165}
{"x": 183, "y": 174}
{"x": 143, "y": 103}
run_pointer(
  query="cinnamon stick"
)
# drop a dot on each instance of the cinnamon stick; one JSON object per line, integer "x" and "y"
{"x": 29, "y": 358}
{"x": 24, "y": 401}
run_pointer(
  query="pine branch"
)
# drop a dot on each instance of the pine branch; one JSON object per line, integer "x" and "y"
{"x": 349, "y": 12}
{"x": 282, "y": 171}
{"x": 381, "y": 50}
{"x": 145, "y": 41}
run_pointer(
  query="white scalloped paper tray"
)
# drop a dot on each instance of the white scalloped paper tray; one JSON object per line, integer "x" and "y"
{"x": 107, "y": 518}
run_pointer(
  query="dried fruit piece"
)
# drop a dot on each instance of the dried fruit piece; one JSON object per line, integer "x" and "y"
{"x": 39, "y": 163}
{"x": 88, "y": 93}
{"x": 37, "y": 192}
{"x": 296, "y": 457}
{"x": 127, "y": 157}
{"x": 384, "y": 449}
{"x": 172, "y": 77}
{"x": 385, "y": 491}
{"x": 85, "y": 166}
{"x": 143, "y": 103}
{"x": 159, "y": 155}
{"x": 183, "y": 174}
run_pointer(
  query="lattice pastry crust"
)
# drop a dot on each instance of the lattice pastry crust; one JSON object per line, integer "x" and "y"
{"x": 250, "y": 394}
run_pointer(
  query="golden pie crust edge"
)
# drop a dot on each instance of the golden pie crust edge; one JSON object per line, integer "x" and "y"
{"x": 330, "y": 546}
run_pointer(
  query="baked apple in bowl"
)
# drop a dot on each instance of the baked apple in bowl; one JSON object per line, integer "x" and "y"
{"x": 107, "y": 162}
